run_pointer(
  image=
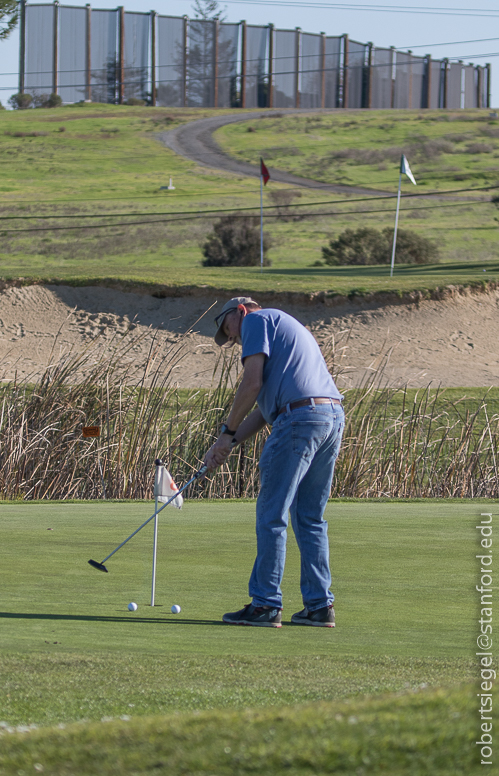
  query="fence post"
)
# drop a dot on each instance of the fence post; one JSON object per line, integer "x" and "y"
{"x": 297, "y": 66}
{"x": 479, "y": 85}
{"x": 121, "y": 54}
{"x": 393, "y": 66}
{"x": 344, "y": 102}
{"x": 216, "y": 32}
{"x": 271, "y": 67}
{"x": 22, "y": 44}
{"x": 88, "y": 55}
{"x": 369, "y": 84}
{"x": 184, "y": 68}
{"x": 242, "y": 100}
{"x": 55, "y": 79}
{"x": 427, "y": 96}
{"x": 446, "y": 82}
{"x": 409, "y": 101}
{"x": 154, "y": 16}
{"x": 323, "y": 69}
{"x": 487, "y": 68}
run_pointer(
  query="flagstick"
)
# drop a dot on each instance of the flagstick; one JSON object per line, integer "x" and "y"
{"x": 261, "y": 222}
{"x": 155, "y": 542}
{"x": 396, "y": 225}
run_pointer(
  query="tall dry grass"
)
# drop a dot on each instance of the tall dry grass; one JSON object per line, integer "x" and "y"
{"x": 395, "y": 446}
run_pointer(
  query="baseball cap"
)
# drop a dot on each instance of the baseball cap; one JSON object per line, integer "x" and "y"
{"x": 232, "y": 304}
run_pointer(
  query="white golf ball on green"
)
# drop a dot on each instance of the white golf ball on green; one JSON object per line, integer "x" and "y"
{"x": 176, "y": 609}
{"x": 132, "y": 607}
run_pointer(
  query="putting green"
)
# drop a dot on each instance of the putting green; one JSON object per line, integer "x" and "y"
{"x": 403, "y": 577}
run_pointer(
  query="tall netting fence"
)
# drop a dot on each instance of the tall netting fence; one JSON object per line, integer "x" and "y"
{"x": 285, "y": 69}
{"x": 355, "y": 75}
{"x": 39, "y": 49}
{"x": 454, "y": 78}
{"x": 311, "y": 71}
{"x": 418, "y": 83}
{"x": 136, "y": 55}
{"x": 381, "y": 78}
{"x": 332, "y": 65}
{"x": 201, "y": 64}
{"x": 72, "y": 75}
{"x": 255, "y": 84}
{"x": 171, "y": 64}
{"x": 113, "y": 56}
{"x": 104, "y": 55}
{"x": 228, "y": 65}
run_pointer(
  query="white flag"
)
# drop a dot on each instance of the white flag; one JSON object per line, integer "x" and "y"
{"x": 404, "y": 167}
{"x": 165, "y": 488}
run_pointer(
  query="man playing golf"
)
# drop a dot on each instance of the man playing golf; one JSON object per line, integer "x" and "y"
{"x": 286, "y": 376}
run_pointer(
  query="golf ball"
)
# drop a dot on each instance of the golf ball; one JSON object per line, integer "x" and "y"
{"x": 175, "y": 609}
{"x": 132, "y": 607}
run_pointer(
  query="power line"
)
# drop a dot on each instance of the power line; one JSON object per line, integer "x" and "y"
{"x": 200, "y": 215}
{"x": 431, "y": 45}
{"x": 246, "y": 208}
{"x": 479, "y": 13}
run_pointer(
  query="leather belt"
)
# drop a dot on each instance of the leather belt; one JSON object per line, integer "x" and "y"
{"x": 308, "y": 403}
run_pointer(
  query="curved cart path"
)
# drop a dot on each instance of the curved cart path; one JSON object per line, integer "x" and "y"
{"x": 195, "y": 141}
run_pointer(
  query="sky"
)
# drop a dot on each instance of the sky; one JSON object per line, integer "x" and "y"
{"x": 445, "y": 28}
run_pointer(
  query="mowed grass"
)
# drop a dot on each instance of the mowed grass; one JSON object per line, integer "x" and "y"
{"x": 403, "y": 577}
{"x": 60, "y": 165}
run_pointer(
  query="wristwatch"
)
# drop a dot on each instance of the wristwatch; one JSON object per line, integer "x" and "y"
{"x": 226, "y": 430}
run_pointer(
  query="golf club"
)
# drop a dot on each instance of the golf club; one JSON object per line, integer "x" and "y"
{"x": 100, "y": 566}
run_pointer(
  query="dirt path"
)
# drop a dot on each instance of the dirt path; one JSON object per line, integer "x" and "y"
{"x": 195, "y": 141}
{"x": 454, "y": 342}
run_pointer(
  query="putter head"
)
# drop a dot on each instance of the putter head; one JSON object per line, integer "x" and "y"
{"x": 99, "y": 566}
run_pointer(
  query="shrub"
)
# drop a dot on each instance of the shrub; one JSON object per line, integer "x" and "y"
{"x": 479, "y": 148}
{"x": 235, "y": 242}
{"x": 371, "y": 246}
{"x": 2, "y": 107}
{"x": 135, "y": 101}
{"x": 21, "y": 101}
{"x": 47, "y": 100}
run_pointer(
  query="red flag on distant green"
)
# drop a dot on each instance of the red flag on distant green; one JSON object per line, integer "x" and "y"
{"x": 264, "y": 172}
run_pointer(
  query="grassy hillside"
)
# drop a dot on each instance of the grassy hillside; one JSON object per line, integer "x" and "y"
{"x": 62, "y": 165}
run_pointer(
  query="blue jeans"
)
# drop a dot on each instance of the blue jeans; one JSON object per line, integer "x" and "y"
{"x": 296, "y": 471}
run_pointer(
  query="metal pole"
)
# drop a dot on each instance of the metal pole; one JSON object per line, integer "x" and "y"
{"x": 121, "y": 27}
{"x": 396, "y": 222}
{"x": 216, "y": 33}
{"x": 55, "y": 79}
{"x": 409, "y": 101}
{"x": 271, "y": 67}
{"x": 488, "y": 69}
{"x": 242, "y": 98}
{"x": 154, "y": 549}
{"x": 153, "y": 57}
{"x": 323, "y": 69}
{"x": 184, "y": 68}
{"x": 297, "y": 66}
{"x": 369, "y": 96}
{"x": 22, "y": 44}
{"x": 88, "y": 53}
{"x": 428, "y": 81}
{"x": 345, "y": 72}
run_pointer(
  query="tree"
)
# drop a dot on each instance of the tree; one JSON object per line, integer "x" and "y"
{"x": 208, "y": 9}
{"x": 370, "y": 246}
{"x": 9, "y": 15}
{"x": 235, "y": 242}
{"x": 20, "y": 101}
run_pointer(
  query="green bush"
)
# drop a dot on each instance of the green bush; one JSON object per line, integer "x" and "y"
{"x": 135, "y": 101}
{"x": 235, "y": 242}
{"x": 47, "y": 100}
{"x": 371, "y": 246}
{"x": 21, "y": 101}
